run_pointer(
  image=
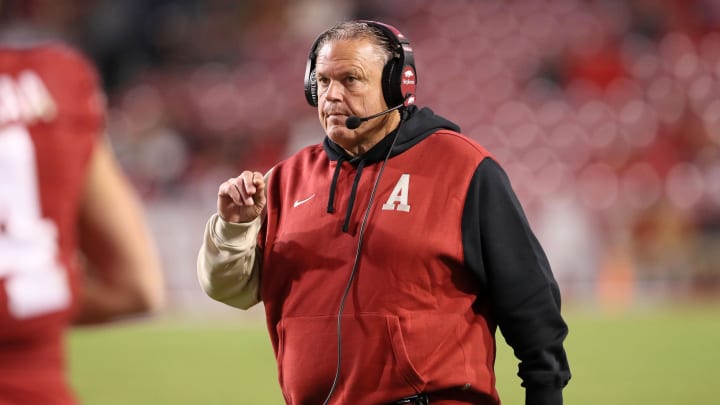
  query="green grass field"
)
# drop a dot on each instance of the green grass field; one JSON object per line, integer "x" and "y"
{"x": 658, "y": 357}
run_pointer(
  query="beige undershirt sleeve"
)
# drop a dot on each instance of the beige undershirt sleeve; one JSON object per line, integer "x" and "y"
{"x": 228, "y": 265}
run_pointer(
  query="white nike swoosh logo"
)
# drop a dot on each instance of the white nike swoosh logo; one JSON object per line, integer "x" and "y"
{"x": 301, "y": 202}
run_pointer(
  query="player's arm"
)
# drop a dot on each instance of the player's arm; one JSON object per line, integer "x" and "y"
{"x": 122, "y": 274}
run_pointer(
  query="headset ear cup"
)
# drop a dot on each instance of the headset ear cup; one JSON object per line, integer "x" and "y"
{"x": 391, "y": 84}
{"x": 310, "y": 78}
{"x": 313, "y": 88}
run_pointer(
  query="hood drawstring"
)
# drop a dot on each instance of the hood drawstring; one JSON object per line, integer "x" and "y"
{"x": 333, "y": 184}
{"x": 353, "y": 191}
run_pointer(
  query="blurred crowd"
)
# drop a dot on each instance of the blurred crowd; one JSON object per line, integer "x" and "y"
{"x": 606, "y": 114}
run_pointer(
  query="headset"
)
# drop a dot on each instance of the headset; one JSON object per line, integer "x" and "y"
{"x": 399, "y": 79}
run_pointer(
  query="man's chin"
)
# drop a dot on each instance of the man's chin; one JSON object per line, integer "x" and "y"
{"x": 341, "y": 136}
{"x": 337, "y": 136}
{"x": 339, "y": 132}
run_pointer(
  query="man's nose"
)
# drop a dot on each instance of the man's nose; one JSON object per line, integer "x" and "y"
{"x": 334, "y": 91}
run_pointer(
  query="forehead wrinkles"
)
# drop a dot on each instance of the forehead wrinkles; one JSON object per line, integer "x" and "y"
{"x": 355, "y": 54}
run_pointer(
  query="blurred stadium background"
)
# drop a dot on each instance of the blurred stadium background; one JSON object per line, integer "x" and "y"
{"x": 606, "y": 115}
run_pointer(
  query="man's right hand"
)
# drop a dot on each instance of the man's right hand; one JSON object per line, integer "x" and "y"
{"x": 242, "y": 198}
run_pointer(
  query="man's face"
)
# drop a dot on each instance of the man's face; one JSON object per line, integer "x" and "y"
{"x": 348, "y": 82}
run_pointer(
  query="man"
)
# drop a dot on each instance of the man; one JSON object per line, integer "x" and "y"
{"x": 387, "y": 256}
{"x": 61, "y": 191}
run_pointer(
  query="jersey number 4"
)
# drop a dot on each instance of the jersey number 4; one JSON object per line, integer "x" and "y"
{"x": 35, "y": 282}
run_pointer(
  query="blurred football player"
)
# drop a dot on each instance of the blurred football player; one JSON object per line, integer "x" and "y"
{"x": 74, "y": 246}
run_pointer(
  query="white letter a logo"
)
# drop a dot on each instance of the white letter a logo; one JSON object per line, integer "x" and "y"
{"x": 399, "y": 197}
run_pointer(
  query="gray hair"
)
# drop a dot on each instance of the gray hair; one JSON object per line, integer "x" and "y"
{"x": 352, "y": 30}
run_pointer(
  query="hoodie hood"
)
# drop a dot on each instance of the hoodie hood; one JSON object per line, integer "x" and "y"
{"x": 416, "y": 124}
